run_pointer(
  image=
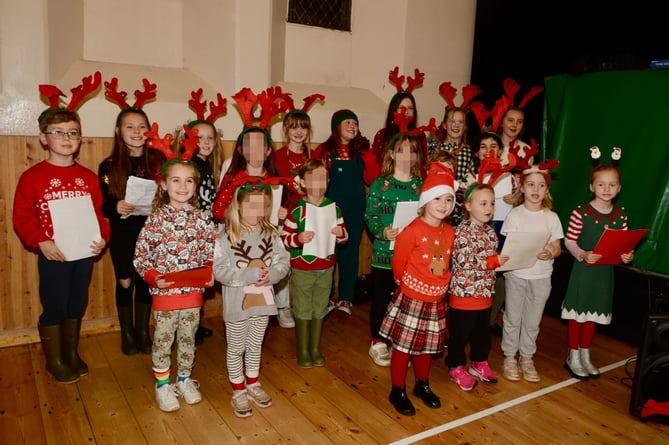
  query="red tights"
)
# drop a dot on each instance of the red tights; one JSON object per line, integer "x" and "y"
{"x": 399, "y": 365}
{"x": 580, "y": 334}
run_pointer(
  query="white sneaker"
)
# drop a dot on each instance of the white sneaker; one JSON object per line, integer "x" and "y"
{"x": 331, "y": 306}
{"x": 345, "y": 306}
{"x": 166, "y": 396}
{"x": 189, "y": 389}
{"x": 285, "y": 317}
{"x": 258, "y": 395}
{"x": 240, "y": 403}
{"x": 380, "y": 354}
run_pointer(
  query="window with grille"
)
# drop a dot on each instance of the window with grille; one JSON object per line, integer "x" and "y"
{"x": 331, "y": 14}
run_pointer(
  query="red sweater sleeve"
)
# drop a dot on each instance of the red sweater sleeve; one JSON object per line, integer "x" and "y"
{"x": 372, "y": 167}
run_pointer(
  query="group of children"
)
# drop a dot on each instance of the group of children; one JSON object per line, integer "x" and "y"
{"x": 175, "y": 251}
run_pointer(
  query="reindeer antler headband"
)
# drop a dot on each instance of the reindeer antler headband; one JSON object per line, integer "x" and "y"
{"x": 89, "y": 84}
{"x": 402, "y": 120}
{"x": 118, "y": 97}
{"x": 412, "y": 82}
{"x": 308, "y": 102}
{"x": 511, "y": 87}
{"x": 198, "y": 105}
{"x": 527, "y": 169}
{"x": 272, "y": 101}
{"x": 164, "y": 145}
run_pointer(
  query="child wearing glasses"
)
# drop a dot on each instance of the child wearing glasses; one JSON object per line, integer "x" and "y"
{"x": 63, "y": 277}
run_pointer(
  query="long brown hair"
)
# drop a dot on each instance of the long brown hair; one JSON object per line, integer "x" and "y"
{"x": 161, "y": 198}
{"x": 120, "y": 159}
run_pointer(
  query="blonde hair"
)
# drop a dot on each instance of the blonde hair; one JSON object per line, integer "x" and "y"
{"x": 519, "y": 197}
{"x": 476, "y": 187}
{"x": 388, "y": 163}
{"x": 235, "y": 227}
{"x": 216, "y": 157}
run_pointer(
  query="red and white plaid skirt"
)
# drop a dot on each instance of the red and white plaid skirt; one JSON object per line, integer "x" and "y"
{"x": 413, "y": 326}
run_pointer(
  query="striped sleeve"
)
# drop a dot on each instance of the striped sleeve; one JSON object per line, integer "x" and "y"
{"x": 575, "y": 226}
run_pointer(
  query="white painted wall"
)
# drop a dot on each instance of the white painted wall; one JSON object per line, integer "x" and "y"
{"x": 222, "y": 46}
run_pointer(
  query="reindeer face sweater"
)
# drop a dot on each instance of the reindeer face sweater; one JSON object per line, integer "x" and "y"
{"x": 421, "y": 260}
{"x": 237, "y": 269}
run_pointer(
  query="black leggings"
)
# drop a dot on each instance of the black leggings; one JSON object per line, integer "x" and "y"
{"x": 384, "y": 287}
{"x": 122, "y": 249}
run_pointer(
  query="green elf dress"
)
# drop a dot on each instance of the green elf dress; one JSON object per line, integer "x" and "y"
{"x": 589, "y": 295}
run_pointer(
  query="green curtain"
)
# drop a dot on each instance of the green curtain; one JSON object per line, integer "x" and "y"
{"x": 627, "y": 109}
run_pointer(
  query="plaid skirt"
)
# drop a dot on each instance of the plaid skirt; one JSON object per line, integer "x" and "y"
{"x": 415, "y": 327}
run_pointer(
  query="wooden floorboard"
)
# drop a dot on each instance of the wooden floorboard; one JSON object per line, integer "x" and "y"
{"x": 344, "y": 402}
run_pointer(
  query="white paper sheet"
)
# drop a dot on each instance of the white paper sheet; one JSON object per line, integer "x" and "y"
{"x": 75, "y": 226}
{"x": 277, "y": 191}
{"x": 405, "y": 212}
{"x": 503, "y": 187}
{"x": 140, "y": 192}
{"x": 320, "y": 220}
{"x": 522, "y": 248}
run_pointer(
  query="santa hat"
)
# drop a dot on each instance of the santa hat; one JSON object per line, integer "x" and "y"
{"x": 439, "y": 181}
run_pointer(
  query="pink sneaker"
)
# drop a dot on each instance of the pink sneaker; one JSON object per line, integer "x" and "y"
{"x": 483, "y": 372}
{"x": 464, "y": 380}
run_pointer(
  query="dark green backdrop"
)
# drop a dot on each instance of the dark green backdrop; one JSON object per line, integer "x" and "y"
{"x": 628, "y": 109}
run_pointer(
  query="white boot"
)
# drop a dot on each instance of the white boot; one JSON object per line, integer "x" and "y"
{"x": 587, "y": 364}
{"x": 574, "y": 366}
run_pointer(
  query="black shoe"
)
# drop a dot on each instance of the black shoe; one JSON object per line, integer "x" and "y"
{"x": 199, "y": 339}
{"x": 496, "y": 330}
{"x": 423, "y": 391}
{"x": 204, "y": 332}
{"x": 399, "y": 399}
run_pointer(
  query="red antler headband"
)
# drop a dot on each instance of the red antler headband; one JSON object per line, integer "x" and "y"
{"x": 511, "y": 87}
{"x": 412, "y": 83}
{"x": 141, "y": 97}
{"x": 448, "y": 91}
{"x": 89, "y": 84}
{"x": 402, "y": 120}
{"x": 198, "y": 105}
{"x": 164, "y": 145}
{"x": 523, "y": 161}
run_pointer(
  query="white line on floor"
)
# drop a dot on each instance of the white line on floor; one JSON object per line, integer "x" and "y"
{"x": 494, "y": 409}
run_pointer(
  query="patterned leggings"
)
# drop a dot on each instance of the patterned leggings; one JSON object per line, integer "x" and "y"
{"x": 184, "y": 322}
{"x": 244, "y": 347}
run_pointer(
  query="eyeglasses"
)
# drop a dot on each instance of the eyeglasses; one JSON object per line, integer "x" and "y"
{"x": 72, "y": 134}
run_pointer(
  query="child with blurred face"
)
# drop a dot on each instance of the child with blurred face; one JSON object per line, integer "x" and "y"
{"x": 311, "y": 281}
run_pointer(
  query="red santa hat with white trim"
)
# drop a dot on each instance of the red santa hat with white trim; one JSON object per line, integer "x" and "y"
{"x": 440, "y": 180}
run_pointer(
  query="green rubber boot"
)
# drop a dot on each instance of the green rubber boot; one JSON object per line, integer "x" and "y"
{"x": 50, "y": 337}
{"x": 302, "y": 333}
{"x": 70, "y": 331}
{"x": 316, "y": 329}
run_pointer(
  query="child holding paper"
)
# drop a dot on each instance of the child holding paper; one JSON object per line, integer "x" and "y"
{"x": 311, "y": 276}
{"x": 249, "y": 258}
{"x": 400, "y": 181}
{"x": 176, "y": 237}
{"x": 589, "y": 296}
{"x": 63, "y": 289}
{"x": 528, "y": 289}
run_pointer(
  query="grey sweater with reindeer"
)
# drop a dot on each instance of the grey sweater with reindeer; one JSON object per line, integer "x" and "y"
{"x": 237, "y": 268}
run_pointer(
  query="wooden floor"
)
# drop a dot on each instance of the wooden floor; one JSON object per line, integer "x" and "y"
{"x": 343, "y": 403}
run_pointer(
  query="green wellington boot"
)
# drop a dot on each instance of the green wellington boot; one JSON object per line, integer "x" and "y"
{"x": 315, "y": 342}
{"x": 302, "y": 328}
{"x": 70, "y": 331}
{"x": 50, "y": 337}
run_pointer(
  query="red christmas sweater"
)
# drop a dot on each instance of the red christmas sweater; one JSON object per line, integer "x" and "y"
{"x": 421, "y": 260}
{"x": 46, "y": 182}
